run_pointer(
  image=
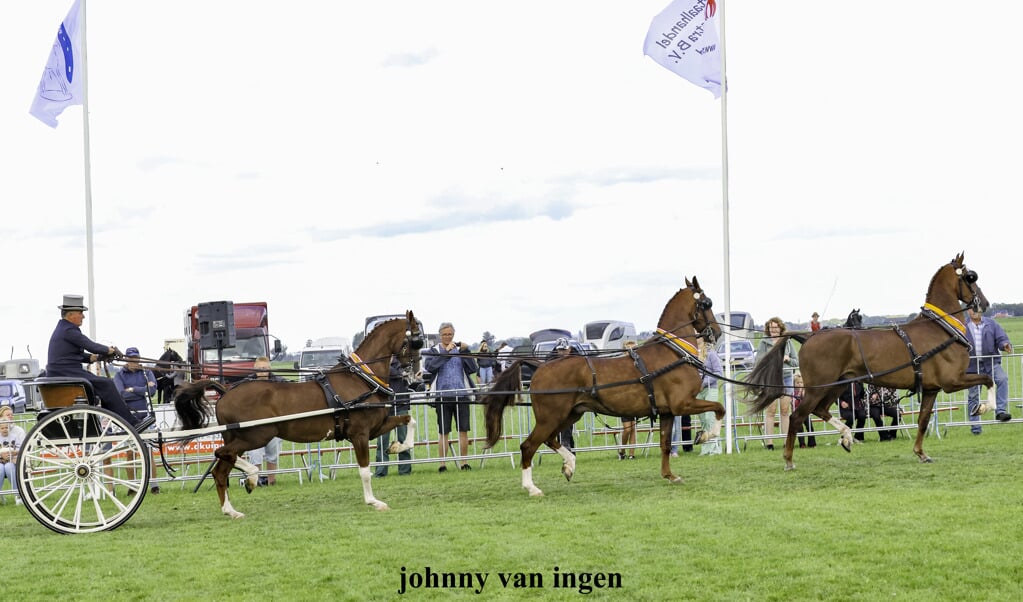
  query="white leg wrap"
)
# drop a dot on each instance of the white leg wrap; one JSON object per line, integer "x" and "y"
{"x": 568, "y": 462}
{"x": 408, "y": 443}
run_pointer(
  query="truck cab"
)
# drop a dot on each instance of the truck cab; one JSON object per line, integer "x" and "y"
{"x": 251, "y": 341}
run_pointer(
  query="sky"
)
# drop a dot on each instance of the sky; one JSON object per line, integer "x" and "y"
{"x": 505, "y": 167}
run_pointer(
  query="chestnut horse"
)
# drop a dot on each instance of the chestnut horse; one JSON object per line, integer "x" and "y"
{"x": 928, "y": 354}
{"x": 356, "y": 409}
{"x": 660, "y": 377}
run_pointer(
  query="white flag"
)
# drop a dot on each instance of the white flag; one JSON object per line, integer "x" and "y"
{"x": 61, "y": 84}
{"x": 683, "y": 39}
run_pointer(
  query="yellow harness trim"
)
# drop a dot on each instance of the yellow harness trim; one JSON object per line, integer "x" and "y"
{"x": 679, "y": 342}
{"x": 365, "y": 368}
{"x": 950, "y": 320}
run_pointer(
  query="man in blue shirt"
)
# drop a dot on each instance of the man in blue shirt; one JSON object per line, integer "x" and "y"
{"x": 987, "y": 339}
{"x": 69, "y": 349}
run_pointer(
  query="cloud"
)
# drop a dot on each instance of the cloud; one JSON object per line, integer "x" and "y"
{"x": 409, "y": 59}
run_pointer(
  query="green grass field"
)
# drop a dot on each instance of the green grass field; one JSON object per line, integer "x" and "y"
{"x": 873, "y": 524}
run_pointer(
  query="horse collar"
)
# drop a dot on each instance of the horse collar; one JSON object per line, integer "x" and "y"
{"x": 364, "y": 371}
{"x": 950, "y": 323}
{"x": 680, "y": 345}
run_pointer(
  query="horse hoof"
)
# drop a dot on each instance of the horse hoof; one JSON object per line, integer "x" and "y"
{"x": 381, "y": 507}
{"x": 536, "y": 493}
{"x": 846, "y": 446}
{"x": 926, "y": 460}
{"x": 235, "y": 514}
{"x": 789, "y": 467}
{"x": 675, "y": 480}
{"x": 568, "y": 474}
{"x": 701, "y": 438}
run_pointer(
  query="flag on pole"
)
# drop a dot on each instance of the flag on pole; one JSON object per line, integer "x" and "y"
{"x": 683, "y": 38}
{"x": 61, "y": 84}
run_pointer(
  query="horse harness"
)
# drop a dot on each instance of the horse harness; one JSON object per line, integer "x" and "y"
{"x": 354, "y": 364}
{"x": 342, "y": 409}
{"x": 688, "y": 354}
{"x": 948, "y": 323}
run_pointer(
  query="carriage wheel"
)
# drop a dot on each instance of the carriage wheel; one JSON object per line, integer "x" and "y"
{"x": 82, "y": 469}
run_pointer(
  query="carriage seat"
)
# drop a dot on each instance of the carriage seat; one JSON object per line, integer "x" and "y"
{"x": 63, "y": 392}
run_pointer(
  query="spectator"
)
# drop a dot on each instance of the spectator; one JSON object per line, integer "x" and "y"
{"x": 451, "y": 368}
{"x": 69, "y": 349}
{"x": 883, "y": 402}
{"x": 815, "y": 325}
{"x": 12, "y": 437}
{"x": 773, "y": 330}
{"x": 987, "y": 339}
{"x": 137, "y": 385}
{"x": 272, "y": 450}
{"x": 486, "y": 364}
{"x": 712, "y": 363}
{"x": 628, "y": 426}
{"x": 503, "y": 356}
{"x": 852, "y": 407}
{"x": 399, "y": 407}
{"x": 797, "y": 397}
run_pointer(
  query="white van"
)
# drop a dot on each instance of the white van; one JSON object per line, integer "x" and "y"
{"x": 609, "y": 334}
{"x": 741, "y": 320}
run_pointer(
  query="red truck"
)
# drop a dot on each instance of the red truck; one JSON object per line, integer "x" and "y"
{"x": 252, "y": 340}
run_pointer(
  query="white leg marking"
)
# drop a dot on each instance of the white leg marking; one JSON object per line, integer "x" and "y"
{"x": 527, "y": 482}
{"x": 366, "y": 474}
{"x": 229, "y": 510}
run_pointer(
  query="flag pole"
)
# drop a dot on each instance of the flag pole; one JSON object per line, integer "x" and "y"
{"x": 88, "y": 174}
{"x": 729, "y": 393}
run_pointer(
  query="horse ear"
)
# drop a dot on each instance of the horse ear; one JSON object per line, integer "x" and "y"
{"x": 696, "y": 283}
{"x": 688, "y": 284}
{"x": 958, "y": 261}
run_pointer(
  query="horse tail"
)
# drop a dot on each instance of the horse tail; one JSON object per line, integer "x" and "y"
{"x": 765, "y": 381}
{"x": 502, "y": 394}
{"x": 190, "y": 403}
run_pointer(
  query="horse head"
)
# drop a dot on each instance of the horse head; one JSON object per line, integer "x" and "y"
{"x": 854, "y": 320}
{"x": 400, "y": 338}
{"x": 409, "y": 355}
{"x": 690, "y": 307}
{"x": 967, "y": 290}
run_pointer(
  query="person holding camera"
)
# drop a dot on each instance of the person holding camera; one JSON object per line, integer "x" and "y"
{"x": 69, "y": 349}
{"x": 451, "y": 368}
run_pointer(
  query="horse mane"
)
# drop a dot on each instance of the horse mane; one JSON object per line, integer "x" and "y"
{"x": 664, "y": 311}
{"x": 934, "y": 278}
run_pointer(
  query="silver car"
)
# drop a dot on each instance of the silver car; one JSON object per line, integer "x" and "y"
{"x": 743, "y": 355}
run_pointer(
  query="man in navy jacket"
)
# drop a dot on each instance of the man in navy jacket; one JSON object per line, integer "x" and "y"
{"x": 69, "y": 349}
{"x": 987, "y": 339}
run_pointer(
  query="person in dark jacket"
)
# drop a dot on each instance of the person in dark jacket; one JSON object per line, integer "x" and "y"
{"x": 853, "y": 407}
{"x": 399, "y": 407}
{"x": 137, "y": 385}
{"x": 69, "y": 349}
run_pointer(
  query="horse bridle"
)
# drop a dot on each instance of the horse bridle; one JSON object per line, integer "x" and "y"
{"x": 413, "y": 343}
{"x": 968, "y": 277}
{"x": 703, "y": 305}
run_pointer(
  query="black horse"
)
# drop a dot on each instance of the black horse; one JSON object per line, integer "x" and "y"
{"x": 169, "y": 364}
